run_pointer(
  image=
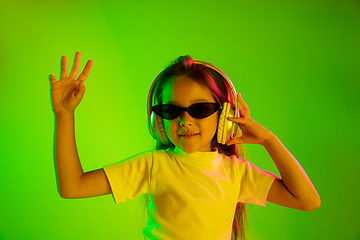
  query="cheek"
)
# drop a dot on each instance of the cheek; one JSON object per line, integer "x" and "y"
{"x": 217, "y": 115}
{"x": 170, "y": 128}
{"x": 215, "y": 120}
{"x": 211, "y": 124}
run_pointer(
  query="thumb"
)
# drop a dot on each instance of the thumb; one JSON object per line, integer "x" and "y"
{"x": 52, "y": 79}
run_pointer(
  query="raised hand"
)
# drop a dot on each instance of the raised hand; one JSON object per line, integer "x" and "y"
{"x": 67, "y": 93}
{"x": 252, "y": 132}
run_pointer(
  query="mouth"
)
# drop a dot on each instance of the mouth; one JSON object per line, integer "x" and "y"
{"x": 188, "y": 135}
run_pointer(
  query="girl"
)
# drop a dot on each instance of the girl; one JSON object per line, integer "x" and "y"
{"x": 197, "y": 183}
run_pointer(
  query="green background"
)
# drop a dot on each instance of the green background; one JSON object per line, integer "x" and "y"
{"x": 296, "y": 64}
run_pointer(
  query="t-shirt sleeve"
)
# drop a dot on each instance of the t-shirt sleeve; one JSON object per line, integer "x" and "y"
{"x": 255, "y": 183}
{"x": 130, "y": 177}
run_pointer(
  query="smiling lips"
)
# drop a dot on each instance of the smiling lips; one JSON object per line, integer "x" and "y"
{"x": 188, "y": 135}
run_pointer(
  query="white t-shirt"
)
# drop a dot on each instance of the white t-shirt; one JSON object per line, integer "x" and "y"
{"x": 192, "y": 196}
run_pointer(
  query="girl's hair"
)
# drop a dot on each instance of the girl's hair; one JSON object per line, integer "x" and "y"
{"x": 185, "y": 66}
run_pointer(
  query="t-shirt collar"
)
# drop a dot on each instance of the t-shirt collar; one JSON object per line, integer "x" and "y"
{"x": 198, "y": 158}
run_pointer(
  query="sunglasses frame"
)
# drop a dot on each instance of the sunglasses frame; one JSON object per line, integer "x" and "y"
{"x": 155, "y": 109}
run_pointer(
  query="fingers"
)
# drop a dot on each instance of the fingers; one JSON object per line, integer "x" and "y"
{"x": 238, "y": 120}
{"x": 75, "y": 68}
{"x": 64, "y": 70}
{"x": 242, "y": 114}
{"x": 86, "y": 71}
{"x": 244, "y": 110}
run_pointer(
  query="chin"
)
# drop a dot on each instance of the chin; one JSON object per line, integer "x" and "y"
{"x": 188, "y": 149}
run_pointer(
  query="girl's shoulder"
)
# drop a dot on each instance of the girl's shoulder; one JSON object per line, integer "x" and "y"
{"x": 233, "y": 160}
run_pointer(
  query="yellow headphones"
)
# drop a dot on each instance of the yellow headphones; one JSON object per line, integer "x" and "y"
{"x": 226, "y": 129}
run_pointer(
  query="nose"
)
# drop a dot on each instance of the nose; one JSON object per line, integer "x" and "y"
{"x": 185, "y": 119}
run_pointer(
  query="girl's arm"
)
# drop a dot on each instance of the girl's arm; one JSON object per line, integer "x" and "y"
{"x": 295, "y": 189}
{"x": 66, "y": 95}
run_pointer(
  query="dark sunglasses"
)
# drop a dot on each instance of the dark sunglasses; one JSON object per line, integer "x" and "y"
{"x": 197, "y": 110}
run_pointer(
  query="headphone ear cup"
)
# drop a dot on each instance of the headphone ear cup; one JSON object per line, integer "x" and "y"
{"x": 225, "y": 127}
{"x": 157, "y": 125}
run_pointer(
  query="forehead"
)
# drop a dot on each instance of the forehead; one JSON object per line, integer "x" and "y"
{"x": 185, "y": 91}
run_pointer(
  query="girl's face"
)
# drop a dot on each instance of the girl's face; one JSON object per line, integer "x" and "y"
{"x": 185, "y": 132}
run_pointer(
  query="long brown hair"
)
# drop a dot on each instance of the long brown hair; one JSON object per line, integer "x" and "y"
{"x": 185, "y": 66}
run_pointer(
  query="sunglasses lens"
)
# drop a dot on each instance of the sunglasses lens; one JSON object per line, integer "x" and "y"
{"x": 203, "y": 110}
{"x": 197, "y": 110}
{"x": 167, "y": 111}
